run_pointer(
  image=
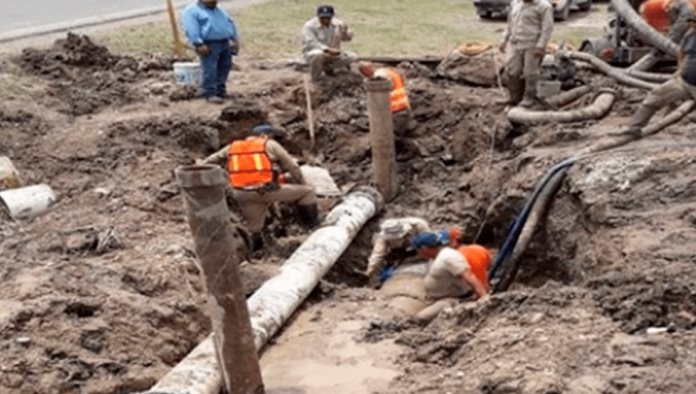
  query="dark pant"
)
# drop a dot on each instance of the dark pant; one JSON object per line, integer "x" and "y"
{"x": 216, "y": 68}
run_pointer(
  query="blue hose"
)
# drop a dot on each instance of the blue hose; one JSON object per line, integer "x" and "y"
{"x": 516, "y": 229}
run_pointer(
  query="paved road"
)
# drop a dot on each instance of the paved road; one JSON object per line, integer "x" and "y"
{"x": 35, "y": 13}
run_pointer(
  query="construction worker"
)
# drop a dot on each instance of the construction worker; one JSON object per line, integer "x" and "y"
{"x": 322, "y": 38}
{"x": 668, "y": 16}
{"x": 681, "y": 87}
{"x": 453, "y": 272}
{"x": 257, "y": 167}
{"x": 393, "y": 235}
{"x": 212, "y": 32}
{"x": 530, "y": 24}
{"x": 400, "y": 105}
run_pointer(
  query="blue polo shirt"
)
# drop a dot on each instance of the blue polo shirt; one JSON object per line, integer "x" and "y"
{"x": 203, "y": 24}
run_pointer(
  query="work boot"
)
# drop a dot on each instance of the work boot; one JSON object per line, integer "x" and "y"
{"x": 530, "y": 96}
{"x": 515, "y": 88}
{"x": 309, "y": 215}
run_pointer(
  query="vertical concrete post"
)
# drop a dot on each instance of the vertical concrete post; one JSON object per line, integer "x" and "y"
{"x": 382, "y": 138}
{"x": 203, "y": 188}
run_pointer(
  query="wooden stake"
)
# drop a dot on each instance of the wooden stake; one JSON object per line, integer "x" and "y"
{"x": 179, "y": 47}
{"x": 310, "y": 111}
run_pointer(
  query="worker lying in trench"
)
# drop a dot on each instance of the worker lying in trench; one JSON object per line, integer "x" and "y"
{"x": 392, "y": 246}
{"x": 452, "y": 272}
{"x": 681, "y": 87}
{"x": 257, "y": 169}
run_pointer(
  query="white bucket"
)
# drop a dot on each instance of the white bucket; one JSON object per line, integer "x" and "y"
{"x": 188, "y": 73}
{"x": 27, "y": 202}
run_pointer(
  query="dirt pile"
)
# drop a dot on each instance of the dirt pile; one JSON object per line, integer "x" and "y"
{"x": 84, "y": 77}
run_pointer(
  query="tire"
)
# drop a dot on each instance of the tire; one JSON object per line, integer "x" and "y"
{"x": 564, "y": 14}
{"x": 585, "y": 6}
{"x": 486, "y": 15}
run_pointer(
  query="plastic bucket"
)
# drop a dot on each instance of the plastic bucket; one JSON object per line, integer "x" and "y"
{"x": 188, "y": 73}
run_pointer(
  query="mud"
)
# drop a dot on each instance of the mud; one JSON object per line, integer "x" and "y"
{"x": 103, "y": 294}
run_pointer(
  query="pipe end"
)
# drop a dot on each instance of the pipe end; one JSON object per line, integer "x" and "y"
{"x": 205, "y": 175}
{"x": 378, "y": 85}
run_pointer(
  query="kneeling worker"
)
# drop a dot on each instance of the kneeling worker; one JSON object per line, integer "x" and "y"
{"x": 256, "y": 167}
{"x": 400, "y": 105}
{"x": 393, "y": 235}
{"x": 452, "y": 272}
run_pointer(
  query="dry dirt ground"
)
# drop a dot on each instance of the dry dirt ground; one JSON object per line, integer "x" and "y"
{"x": 103, "y": 295}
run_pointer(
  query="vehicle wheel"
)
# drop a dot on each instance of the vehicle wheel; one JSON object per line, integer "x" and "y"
{"x": 585, "y": 6}
{"x": 486, "y": 15}
{"x": 564, "y": 14}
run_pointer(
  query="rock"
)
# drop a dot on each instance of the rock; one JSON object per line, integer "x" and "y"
{"x": 102, "y": 192}
{"x": 24, "y": 341}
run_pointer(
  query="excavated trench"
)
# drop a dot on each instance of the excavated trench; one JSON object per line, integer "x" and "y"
{"x": 614, "y": 256}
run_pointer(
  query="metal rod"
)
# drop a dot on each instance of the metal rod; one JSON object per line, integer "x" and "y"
{"x": 382, "y": 138}
{"x": 203, "y": 189}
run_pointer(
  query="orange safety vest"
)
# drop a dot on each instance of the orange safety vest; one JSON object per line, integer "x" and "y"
{"x": 249, "y": 165}
{"x": 398, "y": 97}
{"x": 479, "y": 259}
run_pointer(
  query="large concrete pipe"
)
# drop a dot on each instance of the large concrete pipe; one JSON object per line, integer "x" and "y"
{"x": 610, "y": 71}
{"x": 382, "y": 137}
{"x": 272, "y": 304}
{"x": 659, "y": 41}
{"x": 203, "y": 189}
{"x": 601, "y": 106}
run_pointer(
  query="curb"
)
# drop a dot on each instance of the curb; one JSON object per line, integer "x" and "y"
{"x": 86, "y": 22}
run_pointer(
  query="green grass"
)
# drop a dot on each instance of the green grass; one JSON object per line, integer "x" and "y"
{"x": 386, "y": 27}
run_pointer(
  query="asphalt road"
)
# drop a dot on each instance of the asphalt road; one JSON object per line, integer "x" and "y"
{"x": 24, "y": 14}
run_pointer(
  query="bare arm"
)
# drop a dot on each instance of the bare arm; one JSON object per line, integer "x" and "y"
{"x": 219, "y": 157}
{"x": 346, "y": 33}
{"x": 476, "y": 285}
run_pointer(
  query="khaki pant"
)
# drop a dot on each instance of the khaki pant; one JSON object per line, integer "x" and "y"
{"x": 522, "y": 69}
{"x": 523, "y": 64}
{"x": 254, "y": 205}
{"x": 319, "y": 61}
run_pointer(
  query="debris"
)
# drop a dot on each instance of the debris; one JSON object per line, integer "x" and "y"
{"x": 28, "y": 202}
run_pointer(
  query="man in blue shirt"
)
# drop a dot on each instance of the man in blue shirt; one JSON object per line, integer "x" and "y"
{"x": 213, "y": 33}
{"x": 681, "y": 87}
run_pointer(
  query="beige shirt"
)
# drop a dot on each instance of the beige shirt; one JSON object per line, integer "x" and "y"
{"x": 529, "y": 24}
{"x": 444, "y": 278}
{"x": 316, "y": 36}
{"x": 275, "y": 152}
{"x": 383, "y": 244}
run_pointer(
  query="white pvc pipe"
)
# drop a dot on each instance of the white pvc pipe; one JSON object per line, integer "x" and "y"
{"x": 27, "y": 202}
{"x": 273, "y": 303}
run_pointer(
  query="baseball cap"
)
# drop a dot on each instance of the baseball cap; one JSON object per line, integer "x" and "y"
{"x": 427, "y": 239}
{"x": 263, "y": 129}
{"x": 325, "y": 11}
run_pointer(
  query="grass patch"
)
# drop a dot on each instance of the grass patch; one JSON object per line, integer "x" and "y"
{"x": 389, "y": 27}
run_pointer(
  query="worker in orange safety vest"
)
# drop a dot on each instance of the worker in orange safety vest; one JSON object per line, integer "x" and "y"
{"x": 452, "y": 272}
{"x": 257, "y": 167}
{"x": 399, "y": 102}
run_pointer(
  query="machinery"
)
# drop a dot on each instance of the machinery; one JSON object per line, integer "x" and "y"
{"x": 622, "y": 44}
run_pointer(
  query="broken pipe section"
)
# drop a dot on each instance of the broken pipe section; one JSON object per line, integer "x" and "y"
{"x": 272, "y": 305}
{"x": 382, "y": 137}
{"x": 203, "y": 188}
